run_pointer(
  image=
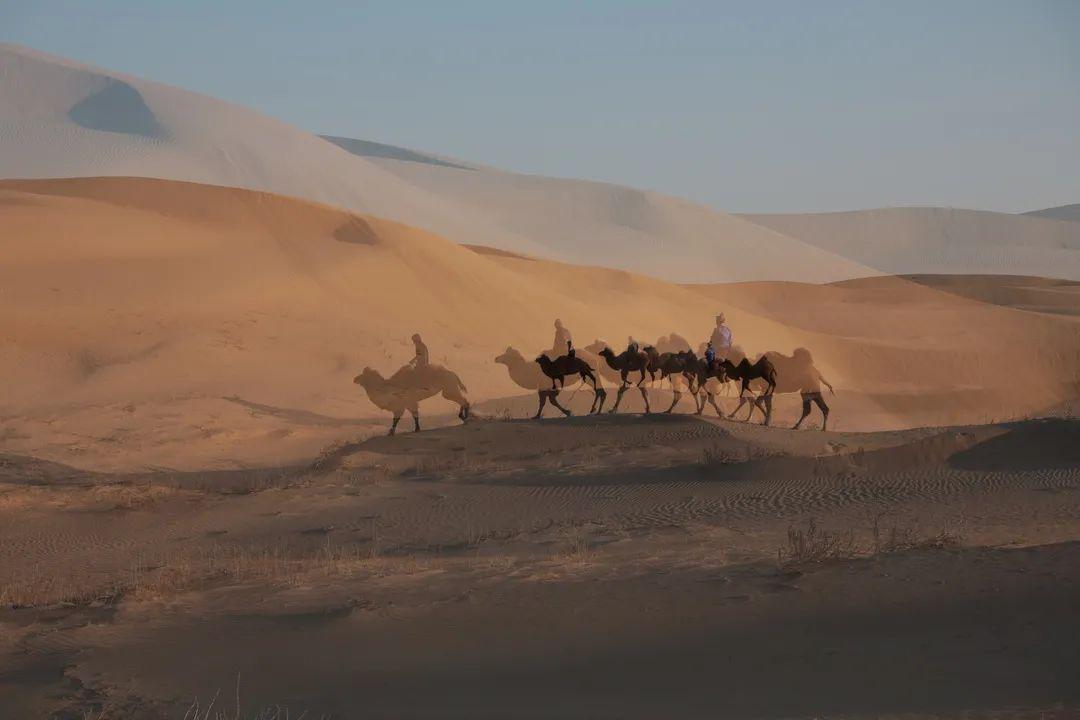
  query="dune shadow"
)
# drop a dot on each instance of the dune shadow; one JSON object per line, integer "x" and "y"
{"x": 356, "y": 231}
{"x": 117, "y": 108}
{"x": 29, "y": 470}
{"x": 1039, "y": 445}
{"x": 366, "y": 148}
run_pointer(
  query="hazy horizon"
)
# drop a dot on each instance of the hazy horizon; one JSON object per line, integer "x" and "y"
{"x": 777, "y": 108}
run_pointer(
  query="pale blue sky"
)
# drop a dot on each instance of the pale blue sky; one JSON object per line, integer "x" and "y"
{"x": 747, "y": 106}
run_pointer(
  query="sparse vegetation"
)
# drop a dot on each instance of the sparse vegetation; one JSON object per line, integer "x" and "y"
{"x": 718, "y": 456}
{"x": 812, "y": 544}
{"x": 907, "y": 536}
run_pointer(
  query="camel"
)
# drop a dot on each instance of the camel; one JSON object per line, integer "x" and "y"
{"x": 627, "y": 362}
{"x": 592, "y": 354}
{"x": 529, "y": 376}
{"x": 798, "y": 374}
{"x": 794, "y": 374}
{"x": 408, "y": 386}
{"x": 570, "y": 364}
{"x": 697, "y": 371}
{"x": 670, "y": 365}
{"x": 745, "y": 372}
{"x": 673, "y": 343}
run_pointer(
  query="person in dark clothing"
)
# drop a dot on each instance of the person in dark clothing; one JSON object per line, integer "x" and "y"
{"x": 421, "y": 358}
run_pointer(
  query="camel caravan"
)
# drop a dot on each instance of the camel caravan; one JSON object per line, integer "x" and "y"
{"x": 717, "y": 366}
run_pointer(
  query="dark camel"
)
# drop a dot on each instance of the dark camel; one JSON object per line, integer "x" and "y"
{"x": 529, "y": 376}
{"x": 796, "y": 374}
{"x": 670, "y": 365}
{"x": 570, "y": 364}
{"x": 625, "y": 363}
{"x": 745, "y": 373}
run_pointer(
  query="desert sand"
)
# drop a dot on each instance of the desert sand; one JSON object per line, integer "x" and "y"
{"x": 201, "y": 515}
{"x": 197, "y": 503}
{"x": 174, "y": 325}
{"x": 623, "y": 566}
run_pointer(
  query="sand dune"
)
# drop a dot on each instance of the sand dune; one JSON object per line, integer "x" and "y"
{"x": 186, "y": 325}
{"x": 62, "y": 119}
{"x": 1061, "y": 212}
{"x": 940, "y": 240}
{"x": 535, "y": 553}
{"x": 596, "y": 223}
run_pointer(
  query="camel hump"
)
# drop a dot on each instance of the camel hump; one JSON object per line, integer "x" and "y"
{"x": 430, "y": 374}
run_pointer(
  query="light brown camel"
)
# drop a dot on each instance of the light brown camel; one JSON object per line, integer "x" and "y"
{"x": 797, "y": 374}
{"x": 591, "y": 353}
{"x": 673, "y": 343}
{"x": 529, "y": 376}
{"x": 408, "y": 386}
{"x": 627, "y": 362}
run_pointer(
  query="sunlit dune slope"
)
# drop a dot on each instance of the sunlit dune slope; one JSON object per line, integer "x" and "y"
{"x": 123, "y": 292}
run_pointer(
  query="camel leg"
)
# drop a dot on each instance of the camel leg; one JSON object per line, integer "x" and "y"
{"x": 601, "y": 393}
{"x": 675, "y": 397}
{"x": 456, "y": 396}
{"x": 765, "y": 404}
{"x": 712, "y": 399}
{"x": 742, "y": 401}
{"x": 555, "y": 401}
{"x": 618, "y": 398}
{"x": 415, "y": 412}
{"x": 753, "y": 402}
{"x": 543, "y": 401}
{"x": 820, "y": 401}
{"x": 393, "y": 425}
{"x": 645, "y": 397}
{"x": 805, "y": 412}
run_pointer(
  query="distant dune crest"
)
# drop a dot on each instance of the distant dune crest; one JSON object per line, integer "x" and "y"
{"x": 1070, "y": 213}
{"x": 62, "y": 119}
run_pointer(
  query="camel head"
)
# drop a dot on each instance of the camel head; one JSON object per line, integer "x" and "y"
{"x": 542, "y": 359}
{"x": 365, "y": 377}
{"x": 509, "y": 356}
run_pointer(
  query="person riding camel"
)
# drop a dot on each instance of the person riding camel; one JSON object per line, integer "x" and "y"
{"x": 562, "y": 338}
{"x": 721, "y": 337}
{"x": 421, "y": 358}
{"x": 632, "y": 345}
{"x": 570, "y": 349}
{"x": 710, "y": 355}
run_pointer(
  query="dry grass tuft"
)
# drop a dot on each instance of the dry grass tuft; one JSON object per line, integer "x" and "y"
{"x": 812, "y": 544}
{"x": 898, "y": 537}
